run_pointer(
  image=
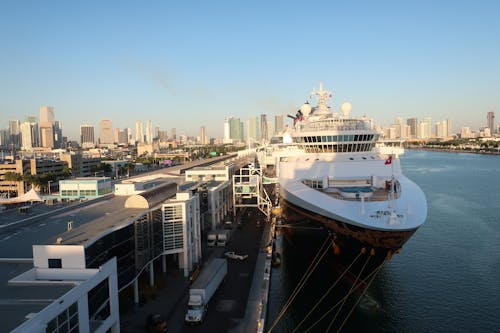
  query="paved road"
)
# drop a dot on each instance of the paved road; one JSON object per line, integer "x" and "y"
{"x": 226, "y": 310}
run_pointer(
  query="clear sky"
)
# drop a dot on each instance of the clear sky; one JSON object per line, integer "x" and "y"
{"x": 185, "y": 64}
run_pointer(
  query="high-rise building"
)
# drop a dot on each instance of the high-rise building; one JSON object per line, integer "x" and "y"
{"x": 106, "y": 135}
{"x": 35, "y": 133}
{"x": 122, "y": 137}
{"x": 15, "y": 133}
{"x": 227, "y": 132}
{"x": 26, "y": 139}
{"x": 163, "y": 135}
{"x": 130, "y": 139}
{"x": 443, "y": 129}
{"x": 87, "y": 136}
{"x": 203, "y": 137}
{"x": 139, "y": 134}
{"x": 264, "y": 137}
{"x": 278, "y": 123}
{"x": 491, "y": 122}
{"x": 149, "y": 131}
{"x": 58, "y": 137}
{"x": 47, "y": 114}
{"x": 252, "y": 130}
{"x": 412, "y": 122}
{"x": 116, "y": 134}
{"x": 465, "y": 133}
{"x": 47, "y": 126}
{"x": 4, "y": 138}
{"x": 235, "y": 130}
{"x": 270, "y": 130}
{"x": 449, "y": 130}
{"x": 425, "y": 129}
{"x": 174, "y": 134}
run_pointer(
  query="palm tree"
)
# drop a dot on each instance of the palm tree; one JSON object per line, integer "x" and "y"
{"x": 129, "y": 167}
{"x": 121, "y": 170}
{"x": 30, "y": 179}
{"x": 66, "y": 172}
{"x": 12, "y": 177}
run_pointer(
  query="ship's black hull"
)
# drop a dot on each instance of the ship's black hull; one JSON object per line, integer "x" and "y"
{"x": 359, "y": 251}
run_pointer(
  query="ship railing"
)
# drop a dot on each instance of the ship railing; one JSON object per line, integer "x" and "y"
{"x": 331, "y": 127}
{"x": 335, "y": 189}
{"x": 378, "y": 195}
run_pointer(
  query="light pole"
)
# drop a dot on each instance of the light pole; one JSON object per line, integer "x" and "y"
{"x": 50, "y": 181}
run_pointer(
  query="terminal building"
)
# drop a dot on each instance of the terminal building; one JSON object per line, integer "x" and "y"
{"x": 80, "y": 278}
{"x": 84, "y": 188}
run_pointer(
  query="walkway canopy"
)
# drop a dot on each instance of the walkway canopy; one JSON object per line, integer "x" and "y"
{"x": 29, "y": 196}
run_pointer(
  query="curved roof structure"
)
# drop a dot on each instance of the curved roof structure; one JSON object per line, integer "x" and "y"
{"x": 151, "y": 197}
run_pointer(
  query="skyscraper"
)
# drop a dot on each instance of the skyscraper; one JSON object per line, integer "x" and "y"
{"x": 106, "y": 135}
{"x": 252, "y": 130}
{"x": 163, "y": 135}
{"x": 47, "y": 126}
{"x": 264, "y": 137}
{"x": 149, "y": 131}
{"x": 26, "y": 140}
{"x": 58, "y": 137}
{"x": 15, "y": 133}
{"x": 87, "y": 136}
{"x": 425, "y": 128}
{"x": 47, "y": 114}
{"x": 174, "y": 134}
{"x": 203, "y": 139}
{"x": 227, "y": 132}
{"x": 412, "y": 122}
{"x": 35, "y": 133}
{"x": 139, "y": 135}
{"x": 235, "y": 130}
{"x": 491, "y": 122}
{"x": 278, "y": 123}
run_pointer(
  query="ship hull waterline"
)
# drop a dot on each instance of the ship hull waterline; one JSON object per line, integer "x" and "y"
{"x": 308, "y": 230}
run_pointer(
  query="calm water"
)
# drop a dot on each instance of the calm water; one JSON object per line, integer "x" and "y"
{"x": 447, "y": 277}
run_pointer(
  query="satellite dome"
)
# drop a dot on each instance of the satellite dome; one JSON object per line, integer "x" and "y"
{"x": 305, "y": 109}
{"x": 346, "y": 108}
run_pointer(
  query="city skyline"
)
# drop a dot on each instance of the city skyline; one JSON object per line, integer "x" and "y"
{"x": 186, "y": 65}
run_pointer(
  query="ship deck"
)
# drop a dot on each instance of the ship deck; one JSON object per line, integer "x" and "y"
{"x": 374, "y": 194}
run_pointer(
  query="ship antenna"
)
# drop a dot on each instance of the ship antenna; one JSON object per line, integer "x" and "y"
{"x": 322, "y": 96}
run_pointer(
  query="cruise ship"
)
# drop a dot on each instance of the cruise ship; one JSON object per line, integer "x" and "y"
{"x": 337, "y": 183}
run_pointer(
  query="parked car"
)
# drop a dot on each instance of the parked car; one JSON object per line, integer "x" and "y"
{"x": 233, "y": 255}
{"x": 155, "y": 323}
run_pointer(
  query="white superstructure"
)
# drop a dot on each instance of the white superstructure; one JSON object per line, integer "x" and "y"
{"x": 334, "y": 170}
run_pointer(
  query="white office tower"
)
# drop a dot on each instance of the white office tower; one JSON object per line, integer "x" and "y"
{"x": 26, "y": 139}
{"x": 227, "y": 132}
{"x": 139, "y": 135}
{"x": 149, "y": 131}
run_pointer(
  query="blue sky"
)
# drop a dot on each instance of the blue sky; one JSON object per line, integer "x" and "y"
{"x": 185, "y": 64}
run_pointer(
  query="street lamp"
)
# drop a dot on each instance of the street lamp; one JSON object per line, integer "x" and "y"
{"x": 50, "y": 181}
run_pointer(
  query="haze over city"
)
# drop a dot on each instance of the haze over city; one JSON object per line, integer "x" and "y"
{"x": 189, "y": 64}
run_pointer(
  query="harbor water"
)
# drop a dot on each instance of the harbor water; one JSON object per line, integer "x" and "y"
{"x": 446, "y": 278}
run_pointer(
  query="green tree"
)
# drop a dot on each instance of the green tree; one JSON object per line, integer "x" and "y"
{"x": 66, "y": 172}
{"x": 12, "y": 177}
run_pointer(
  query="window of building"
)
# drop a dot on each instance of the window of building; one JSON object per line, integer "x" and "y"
{"x": 66, "y": 321}
{"x": 55, "y": 263}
